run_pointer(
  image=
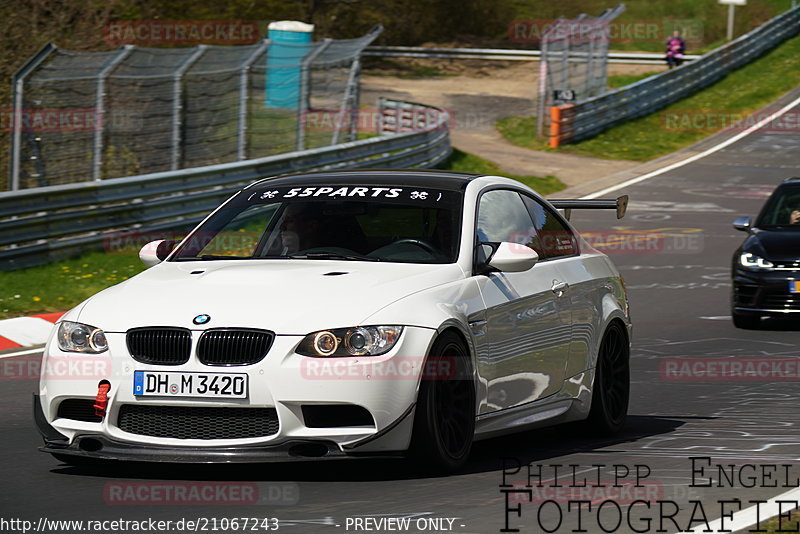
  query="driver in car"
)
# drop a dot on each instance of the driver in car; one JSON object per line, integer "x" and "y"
{"x": 300, "y": 229}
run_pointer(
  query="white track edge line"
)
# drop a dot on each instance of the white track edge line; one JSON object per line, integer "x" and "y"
{"x": 760, "y": 124}
{"x": 21, "y": 353}
{"x": 756, "y": 514}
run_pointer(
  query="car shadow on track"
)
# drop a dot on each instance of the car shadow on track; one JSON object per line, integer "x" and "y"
{"x": 555, "y": 442}
{"x": 487, "y": 456}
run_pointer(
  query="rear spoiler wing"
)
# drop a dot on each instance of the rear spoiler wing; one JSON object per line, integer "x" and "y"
{"x": 620, "y": 205}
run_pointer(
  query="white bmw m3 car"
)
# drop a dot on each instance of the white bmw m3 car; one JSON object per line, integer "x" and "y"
{"x": 346, "y": 314}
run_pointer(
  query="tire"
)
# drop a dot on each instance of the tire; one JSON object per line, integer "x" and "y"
{"x": 746, "y": 322}
{"x": 611, "y": 391}
{"x": 444, "y": 419}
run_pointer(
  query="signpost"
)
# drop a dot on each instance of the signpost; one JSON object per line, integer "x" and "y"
{"x": 561, "y": 96}
{"x": 732, "y": 4}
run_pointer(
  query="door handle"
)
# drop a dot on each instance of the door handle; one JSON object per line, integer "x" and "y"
{"x": 478, "y": 327}
{"x": 559, "y": 287}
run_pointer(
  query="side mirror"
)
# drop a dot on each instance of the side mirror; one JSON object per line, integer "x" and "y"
{"x": 513, "y": 258}
{"x": 743, "y": 224}
{"x": 155, "y": 252}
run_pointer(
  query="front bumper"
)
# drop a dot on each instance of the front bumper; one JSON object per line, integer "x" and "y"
{"x": 281, "y": 381}
{"x": 98, "y": 446}
{"x": 764, "y": 293}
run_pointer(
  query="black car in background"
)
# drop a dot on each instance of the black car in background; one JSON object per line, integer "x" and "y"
{"x": 766, "y": 267}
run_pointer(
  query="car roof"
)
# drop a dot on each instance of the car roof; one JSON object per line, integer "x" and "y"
{"x": 455, "y": 181}
{"x": 789, "y": 183}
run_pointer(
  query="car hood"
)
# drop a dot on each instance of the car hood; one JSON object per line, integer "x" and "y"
{"x": 285, "y": 296}
{"x": 774, "y": 245}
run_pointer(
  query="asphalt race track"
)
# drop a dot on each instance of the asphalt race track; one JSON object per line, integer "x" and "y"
{"x": 679, "y": 289}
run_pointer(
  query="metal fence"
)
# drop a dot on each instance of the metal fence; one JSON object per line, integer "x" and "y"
{"x": 82, "y": 116}
{"x": 574, "y": 61}
{"x": 588, "y": 117}
{"x": 56, "y": 222}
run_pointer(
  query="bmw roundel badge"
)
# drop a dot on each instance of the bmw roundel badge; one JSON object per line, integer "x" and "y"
{"x": 201, "y": 319}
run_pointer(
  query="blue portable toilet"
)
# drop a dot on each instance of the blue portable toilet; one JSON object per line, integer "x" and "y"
{"x": 290, "y": 40}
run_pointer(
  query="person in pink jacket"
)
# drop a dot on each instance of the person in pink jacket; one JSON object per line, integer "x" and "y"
{"x": 676, "y": 47}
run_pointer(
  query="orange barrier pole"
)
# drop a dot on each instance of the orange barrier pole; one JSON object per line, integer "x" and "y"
{"x": 555, "y": 126}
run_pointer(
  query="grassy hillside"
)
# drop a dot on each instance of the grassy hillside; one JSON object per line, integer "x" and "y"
{"x": 704, "y": 21}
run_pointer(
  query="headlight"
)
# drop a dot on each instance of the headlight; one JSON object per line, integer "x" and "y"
{"x": 77, "y": 337}
{"x": 756, "y": 263}
{"x": 356, "y": 341}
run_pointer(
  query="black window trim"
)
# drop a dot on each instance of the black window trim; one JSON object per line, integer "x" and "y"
{"x": 546, "y": 205}
{"x": 576, "y": 243}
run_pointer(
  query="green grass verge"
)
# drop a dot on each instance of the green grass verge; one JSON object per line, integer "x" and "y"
{"x": 742, "y": 92}
{"x": 783, "y": 524}
{"x": 621, "y": 80}
{"x": 466, "y": 162}
{"x": 60, "y": 286}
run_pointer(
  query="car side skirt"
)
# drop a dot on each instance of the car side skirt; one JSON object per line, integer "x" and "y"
{"x": 572, "y": 403}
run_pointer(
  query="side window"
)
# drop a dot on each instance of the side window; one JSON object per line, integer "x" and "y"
{"x": 556, "y": 239}
{"x": 502, "y": 216}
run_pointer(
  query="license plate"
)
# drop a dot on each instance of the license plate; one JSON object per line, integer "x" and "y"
{"x": 177, "y": 384}
{"x": 794, "y": 286}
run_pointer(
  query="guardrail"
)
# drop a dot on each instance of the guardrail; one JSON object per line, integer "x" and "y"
{"x": 397, "y": 116}
{"x": 50, "y": 223}
{"x": 505, "y": 54}
{"x": 587, "y": 118}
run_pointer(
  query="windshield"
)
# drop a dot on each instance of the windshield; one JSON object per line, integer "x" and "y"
{"x": 782, "y": 210}
{"x": 344, "y": 222}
